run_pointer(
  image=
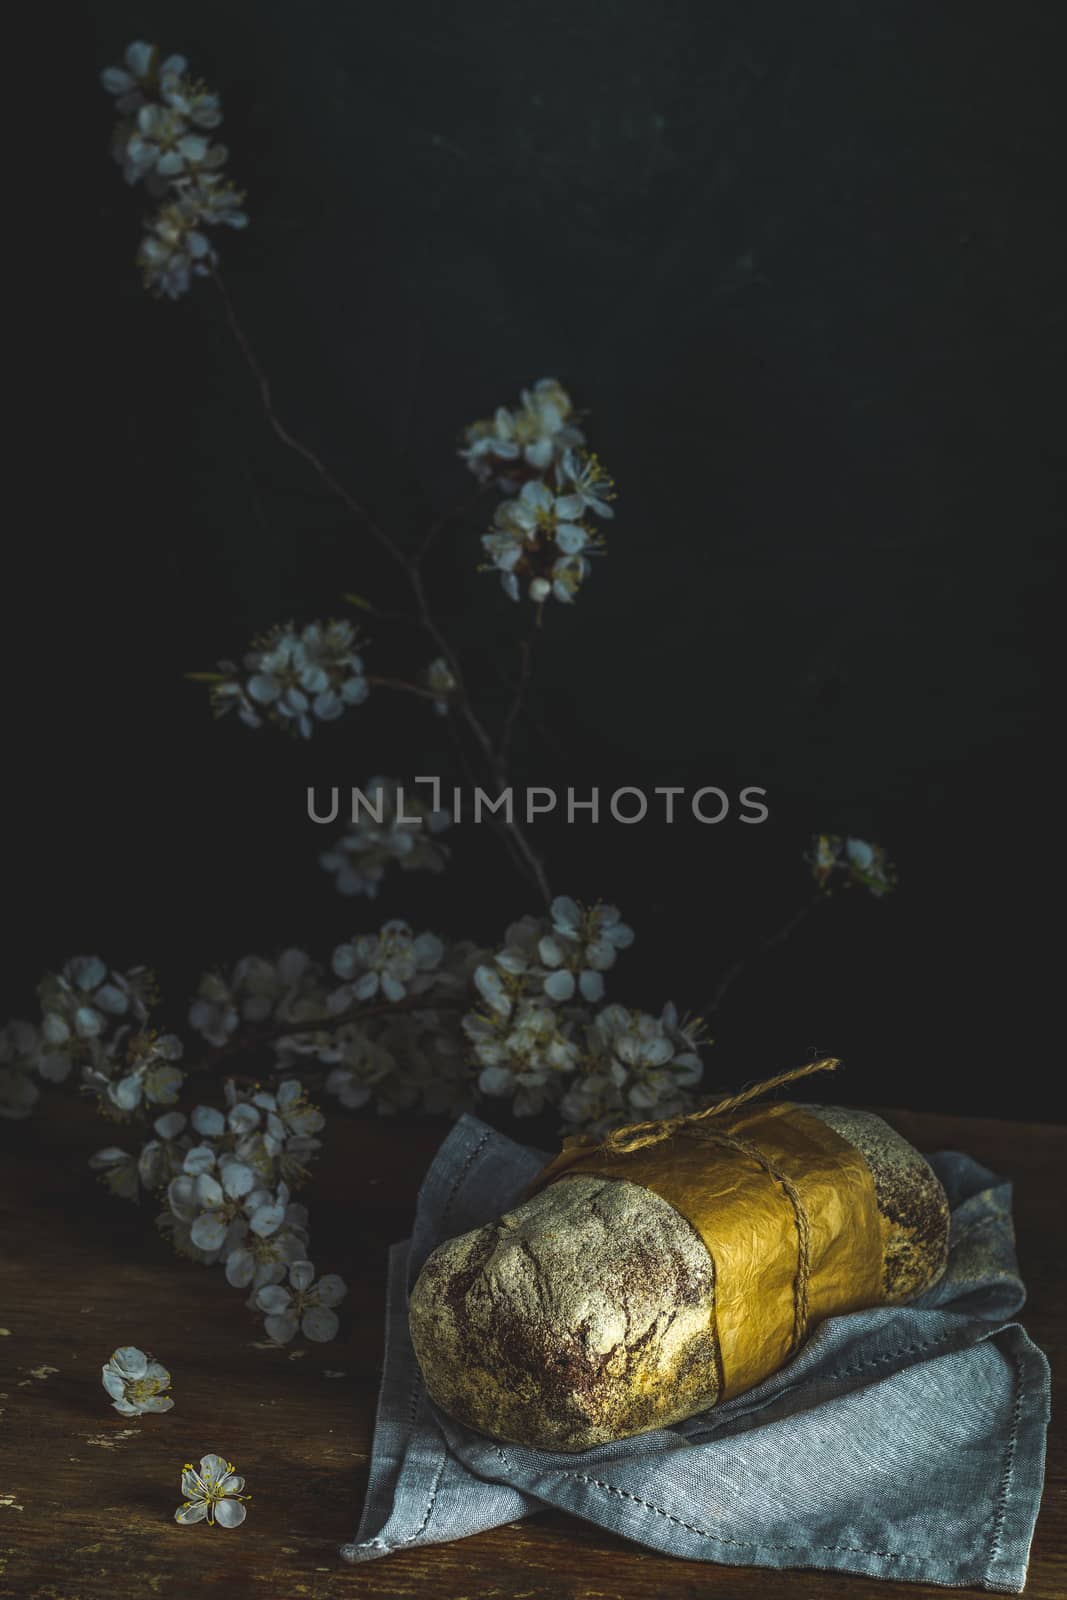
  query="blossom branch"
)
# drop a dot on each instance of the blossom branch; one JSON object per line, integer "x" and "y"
{"x": 241, "y": 1044}
{"x": 410, "y": 565}
{"x": 405, "y": 688}
{"x": 290, "y": 440}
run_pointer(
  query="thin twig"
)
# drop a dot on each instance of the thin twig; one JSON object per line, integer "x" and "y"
{"x": 525, "y": 656}
{"x": 290, "y": 441}
{"x": 439, "y": 524}
{"x": 732, "y": 973}
{"x": 407, "y": 688}
{"x": 257, "y": 1037}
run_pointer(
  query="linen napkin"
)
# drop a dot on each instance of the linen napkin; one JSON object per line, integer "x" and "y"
{"x": 905, "y": 1442}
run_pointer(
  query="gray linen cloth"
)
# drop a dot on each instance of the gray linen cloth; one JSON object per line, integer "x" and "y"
{"x": 904, "y": 1442}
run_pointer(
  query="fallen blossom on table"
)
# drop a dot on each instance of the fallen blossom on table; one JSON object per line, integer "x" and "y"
{"x": 136, "y": 1383}
{"x": 213, "y": 1494}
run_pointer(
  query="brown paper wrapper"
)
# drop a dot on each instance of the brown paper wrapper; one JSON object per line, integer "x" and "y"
{"x": 748, "y": 1223}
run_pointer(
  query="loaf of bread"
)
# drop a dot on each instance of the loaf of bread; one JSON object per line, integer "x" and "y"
{"x": 587, "y": 1313}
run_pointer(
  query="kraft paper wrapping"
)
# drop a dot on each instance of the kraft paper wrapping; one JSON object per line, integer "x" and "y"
{"x": 749, "y": 1225}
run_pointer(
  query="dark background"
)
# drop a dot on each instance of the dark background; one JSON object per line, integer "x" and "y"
{"x": 803, "y": 266}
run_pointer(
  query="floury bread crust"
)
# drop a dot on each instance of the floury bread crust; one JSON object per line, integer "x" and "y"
{"x": 586, "y": 1314}
{"x": 911, "y": 1201}
{"x": 581, "y": 1316}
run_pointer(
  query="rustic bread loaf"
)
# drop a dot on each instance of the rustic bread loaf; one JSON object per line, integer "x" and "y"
{"x": 586, "y": 1313}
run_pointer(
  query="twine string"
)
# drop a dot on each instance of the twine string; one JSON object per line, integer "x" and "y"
{"x": 640, "y": 1135}
{"x": 801, "y": 1220}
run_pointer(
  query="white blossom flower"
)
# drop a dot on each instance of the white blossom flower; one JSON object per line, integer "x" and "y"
{"x": 848, "y": 861}
{"x": 267, "y": 1212}
{"x": 512, "y": 972}
{"x": 361, "y": 856}
{"x": 394, "y": 961}
{"x": 255, "y": 1259}
{"x": 137, "y": 1384}
{"x": 163, "y": 1157}
{"x": 511, "y": 445}
{"x": 505, "y": 547}
{"x": 638, "y": 1064}
{"x": 207, "y": 1207}
{"x": 81, "y": 1004}
{"x": 440, "y": 678}
{"x": 150, "y": 1074}
{"x": 581, "y": 947}
{"x": 287, "y": 989}
{"x": 194, "y": 101}
{"x": 537, "y": 537}
{"x": 568, "y": 575}
{"x": 212, "y": 1494}
{"x": 141, "y": 72}
{"x": 433, "y": 1069}
{"x": 585, "y": 484}
{"x": 296, "y": 1111}
{"x": 295, "y": 678}
{"x": 359, "y": 1065}
{"x": 211, "y": 1204}
{"x": 20, "y": 1055}
{"x": 209, "y": 200}
{"x": 175, "y": 248}
{"x": 118, "y": 1170}
{"x": 868, "y": 867}
{"x": 306, "y": 1305}
{"x": 256, "y": 990}
{"x": 521, "y": 1055}
{"x": 213, "y": 1013}
{"x": 173, "y": 252}
{"x": 161, "y": 143}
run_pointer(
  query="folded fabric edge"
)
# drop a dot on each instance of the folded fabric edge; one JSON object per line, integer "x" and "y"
{"x": 1023, "y": 1476}
{"x": 385, "y": 1465}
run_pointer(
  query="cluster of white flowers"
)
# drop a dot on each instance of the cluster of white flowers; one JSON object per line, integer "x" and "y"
{"x": 397, "y": 1018}
{"x": 535, "y": 1039}
{"x": 636, "y": 1066}
{"x": 226, "y": 1177}
{"x": 294, "y": 677}
{"x": 838, "y": 860}
{"x": 93, "y": 1022}
{"x": 513, "y": 446}
{"x": 162, "y": 139}
{"x": 83, "y": 1007}
{"x": 139, "y": 1070}
{"x": 394, "y": 963}
{"x": 390, "y": 832}
{"x": 256, "y": 991}
{"x": 399, "y": 1058}
{"x": 558, "y": 956}
{"x": 541, "y": 536}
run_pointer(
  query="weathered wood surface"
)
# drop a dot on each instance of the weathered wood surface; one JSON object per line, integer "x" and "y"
{"x": 87, "y": 1497}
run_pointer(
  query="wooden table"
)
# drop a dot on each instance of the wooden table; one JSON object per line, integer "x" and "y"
{"x": 87, "y": 1496}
